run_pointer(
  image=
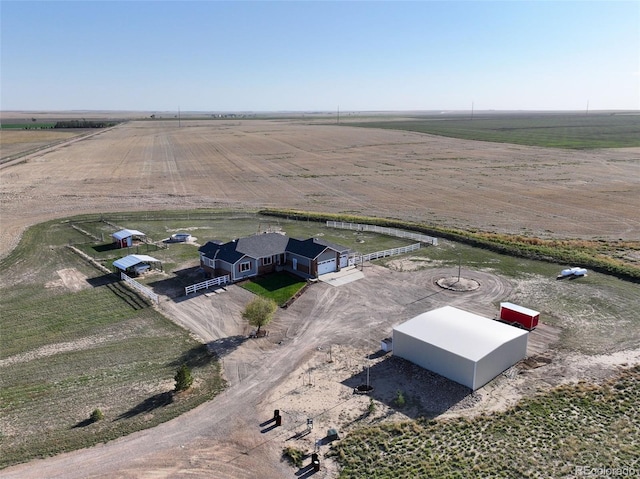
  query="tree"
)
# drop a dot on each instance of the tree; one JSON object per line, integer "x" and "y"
{"x": 183, "y": 378}
{"x": 259, "y": 312}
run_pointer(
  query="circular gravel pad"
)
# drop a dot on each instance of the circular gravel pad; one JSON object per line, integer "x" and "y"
{"x": 463, "y": 284}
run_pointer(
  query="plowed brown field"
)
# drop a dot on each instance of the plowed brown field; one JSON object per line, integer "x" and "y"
{"x": 145, "y": 165}
{"x": 292, "y": 164}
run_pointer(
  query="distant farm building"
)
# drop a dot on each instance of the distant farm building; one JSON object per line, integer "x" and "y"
{"x": 136, "y": 264}
{"x": 124, "y": 238}
{"x": 519, "y": 316}
{"x": 462, "y": 346}
{"x": 269, "y": 252}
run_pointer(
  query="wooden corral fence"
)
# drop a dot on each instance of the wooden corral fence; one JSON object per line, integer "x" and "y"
{"x": 85, "y": 232}
{"x": 361, "y": 258}
{"x": 220, "y": 280}
{"x": 384, "y": 231}
{"x": 140, "y": 288}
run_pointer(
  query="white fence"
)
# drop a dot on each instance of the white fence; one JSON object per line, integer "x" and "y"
{"x": 138, "y": 287}
{"x": 207, "y": 284}
{"x": 361, "y": 258}
{"x": 384, "y": 231}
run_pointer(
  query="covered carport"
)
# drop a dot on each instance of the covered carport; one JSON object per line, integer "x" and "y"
{"x": 137, "y": 264}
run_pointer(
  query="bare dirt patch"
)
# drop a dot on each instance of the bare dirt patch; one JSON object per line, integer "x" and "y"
{"x": 458, "y": 283}
{"x": 69, "y": 278}
{"x": 412, "y": 263}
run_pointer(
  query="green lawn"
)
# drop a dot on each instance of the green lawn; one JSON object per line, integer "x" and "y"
{"x": 280, "y": 287}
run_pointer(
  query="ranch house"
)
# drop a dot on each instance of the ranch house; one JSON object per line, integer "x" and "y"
{"x": 269, "y": 252}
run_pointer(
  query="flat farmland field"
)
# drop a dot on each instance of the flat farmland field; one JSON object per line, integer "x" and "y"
{"x": 157, "y": 167}
{"x": 146, "y": 165}
{"x": 15, "y": 141}
{"x": 558, "y": 130}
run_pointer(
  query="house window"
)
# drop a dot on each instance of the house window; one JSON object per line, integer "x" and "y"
{"x": 267, "y": 261}
{"x": 244, "y": 267}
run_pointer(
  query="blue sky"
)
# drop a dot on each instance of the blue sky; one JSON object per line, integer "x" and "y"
{"x": 318, "y": 56}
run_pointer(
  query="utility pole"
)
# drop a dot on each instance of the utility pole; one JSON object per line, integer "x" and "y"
{"x": 369, "y": 357}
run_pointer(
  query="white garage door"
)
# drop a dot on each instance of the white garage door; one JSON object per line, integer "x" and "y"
{"x": 344, "y": 260}
{"x": 327, "y": 266}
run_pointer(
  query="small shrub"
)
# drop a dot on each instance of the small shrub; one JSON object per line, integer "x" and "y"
{"x": 96, "y": 415}
{"x": 372, "y": 406}
{"x": 294, "y": 456}
{"x": 400, "y": 401}
{"x": 183, "y": 378}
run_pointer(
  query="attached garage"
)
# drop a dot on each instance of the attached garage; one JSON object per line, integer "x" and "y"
{"x": 325, "y": 267}
{"x": 459, "y": 345}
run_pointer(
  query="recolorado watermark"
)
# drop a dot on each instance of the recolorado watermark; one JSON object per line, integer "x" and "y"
{"x": 589, "y": 471}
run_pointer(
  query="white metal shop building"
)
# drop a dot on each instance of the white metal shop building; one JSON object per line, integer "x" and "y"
{"x": 459, "y": 345}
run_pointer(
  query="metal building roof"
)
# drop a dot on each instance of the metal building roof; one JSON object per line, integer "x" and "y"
{"x": 460, "y": 332}
{"x": 126, "y": 233}
{"x": 134, "y": 259}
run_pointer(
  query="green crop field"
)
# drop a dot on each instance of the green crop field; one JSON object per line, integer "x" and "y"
{"x": 577, "y": 131}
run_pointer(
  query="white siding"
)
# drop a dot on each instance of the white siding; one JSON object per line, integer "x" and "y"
{"x": 459, "y": 345}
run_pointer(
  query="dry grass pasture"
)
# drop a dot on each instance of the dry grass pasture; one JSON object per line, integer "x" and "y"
{"x": 143, "y": 165}
{"x": 300, "y": 164}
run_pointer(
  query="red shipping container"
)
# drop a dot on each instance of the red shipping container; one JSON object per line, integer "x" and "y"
{"x": 519, "y": 315}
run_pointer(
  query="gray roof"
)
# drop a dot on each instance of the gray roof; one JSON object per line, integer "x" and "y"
{"x": 334, "y": 246}
{"x": 313, "y": 247}
{"x": 134, "y": 259}
{"x": 262, "y": 245}
{"x": 266, "y": 245}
